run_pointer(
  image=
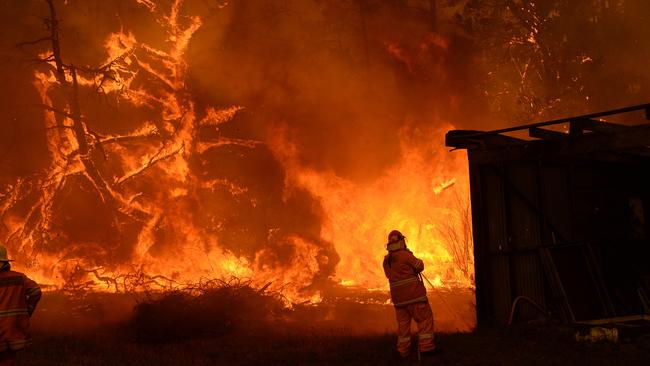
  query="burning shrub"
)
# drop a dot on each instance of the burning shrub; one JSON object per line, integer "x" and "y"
{"x": 212, "y": 309}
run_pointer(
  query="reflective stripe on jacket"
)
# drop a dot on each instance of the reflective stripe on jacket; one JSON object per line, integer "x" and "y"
{"x": 18, "y": 298}
{"x": 402, "y": 269}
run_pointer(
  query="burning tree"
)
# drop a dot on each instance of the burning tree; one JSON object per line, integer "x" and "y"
{"x": 127, "y": 145}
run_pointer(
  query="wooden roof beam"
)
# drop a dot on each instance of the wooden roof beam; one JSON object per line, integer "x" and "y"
{"x": 544, "y": 134}
{"x": 457, "y": 139}
{"x": 598, "y": 126}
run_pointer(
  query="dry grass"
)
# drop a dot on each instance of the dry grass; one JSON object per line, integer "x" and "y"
{"x": 215, "y": 309}
{"x": 310, "y": 346}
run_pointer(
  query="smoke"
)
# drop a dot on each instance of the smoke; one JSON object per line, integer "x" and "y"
{"x": 343, "y": 76}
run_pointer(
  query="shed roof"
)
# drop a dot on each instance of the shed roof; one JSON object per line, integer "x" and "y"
{"x": 588, "y": 133}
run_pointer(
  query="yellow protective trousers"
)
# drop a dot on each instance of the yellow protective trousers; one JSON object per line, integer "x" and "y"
{"x": 421, "y": 313}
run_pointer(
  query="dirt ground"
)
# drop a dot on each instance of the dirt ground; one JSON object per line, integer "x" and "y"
{"x": 313, "y": 346}
{"x": 95, "y": 331}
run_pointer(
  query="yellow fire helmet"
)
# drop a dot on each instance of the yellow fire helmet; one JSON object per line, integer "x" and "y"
{"x": 3, "y": 254}
{"x": 395, "y": 241}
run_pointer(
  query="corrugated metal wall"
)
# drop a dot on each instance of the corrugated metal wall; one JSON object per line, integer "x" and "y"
{"x": 538, "y": 220}
{"x": 511, "y": 224}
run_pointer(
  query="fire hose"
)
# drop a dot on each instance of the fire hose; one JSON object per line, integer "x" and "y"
{"x": 433, "y": 289}
{"x": 442, "y": 299}
{"x": 530, "y": 301}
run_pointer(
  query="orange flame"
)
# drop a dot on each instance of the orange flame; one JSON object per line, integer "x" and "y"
{"x": 409, "y": 196}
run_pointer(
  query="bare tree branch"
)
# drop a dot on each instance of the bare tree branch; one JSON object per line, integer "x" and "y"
{"x": 36, "y": 41}
{"x": 57, "y": 111}
{"x": 457, "y": 234}
{"x": 157, "y": 157}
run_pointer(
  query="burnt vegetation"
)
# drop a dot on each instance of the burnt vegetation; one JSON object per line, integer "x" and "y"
{"x": 216, "y": 308}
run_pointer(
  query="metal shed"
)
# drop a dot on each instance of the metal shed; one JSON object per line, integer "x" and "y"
{"x": 561, "y": 219}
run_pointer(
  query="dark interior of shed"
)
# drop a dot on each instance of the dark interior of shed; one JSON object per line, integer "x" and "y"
{"x": 561, "y": 218}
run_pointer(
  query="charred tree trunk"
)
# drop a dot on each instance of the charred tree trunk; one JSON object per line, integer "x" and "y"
{"x": 56, "y": 45}
{"x": 84, "y": 153}
{"x": 71, "y": 93}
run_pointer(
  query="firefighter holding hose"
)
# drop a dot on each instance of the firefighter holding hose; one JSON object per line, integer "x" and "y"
{"x": 409, "y": 296}
{"x": 18, "y": 298}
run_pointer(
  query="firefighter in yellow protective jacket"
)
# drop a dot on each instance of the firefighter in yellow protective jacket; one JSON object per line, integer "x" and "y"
{"x": 18, "y": 298}
{"x": 409, "y": 295}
